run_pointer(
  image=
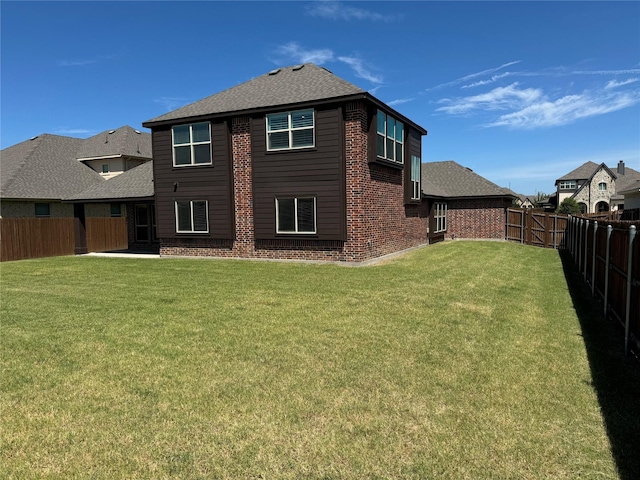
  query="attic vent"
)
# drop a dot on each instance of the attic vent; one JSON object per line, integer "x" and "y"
{"x": 274, "y": 72}
{"x": 297, "y": 67}
{"x": 468, "y": 169}
{"x": 111, "y": 131}
{"x": 33, "y": 138}
{"x": 137, "y": 131}
{"x": 325, "y": 68}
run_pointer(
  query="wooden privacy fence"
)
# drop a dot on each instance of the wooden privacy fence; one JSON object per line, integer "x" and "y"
{"x": 607, "y": 254}
{"x": 541, "y": 229}
{"x": 23, "y": 238}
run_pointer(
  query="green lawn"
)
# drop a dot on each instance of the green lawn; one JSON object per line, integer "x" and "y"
{"x": 462, "y": 360}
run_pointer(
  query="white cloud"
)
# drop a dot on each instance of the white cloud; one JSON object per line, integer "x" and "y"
{"x": 501, "y": 98}
{"x": 360, "y": 69}
{"x": 74, "y": 131}
{"x": 471, "y": 76}
{"x": 74, "y": 63}
{"x": 565, "y": 110}
{"x": 334, "y": 10}
{"x": 400, "y": 101}
{"x": 302, "y": 55}
{"x": 171, "y": 103}
{"x": 614, "y": 84}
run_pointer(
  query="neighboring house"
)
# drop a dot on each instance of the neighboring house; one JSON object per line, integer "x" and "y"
{"x": 294, "y": 164}
{"x": 128, "y": 195}
{"x": 631, "y": 197}
{"x": 463, "y": 204}
{"x": 40, "y": 175}
{"x": 596, "y": 188}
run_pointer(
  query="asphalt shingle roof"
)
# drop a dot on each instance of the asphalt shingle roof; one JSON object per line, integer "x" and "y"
{"x": 122, "y": 141}
{"x": 588, "y": 169}
{"x": 452, "y": 180}
{"x": 282, "y": 86}
{"x": 134, "y": 183}
{"x": 583, "y": 172}
{"x": 44, "y": 167}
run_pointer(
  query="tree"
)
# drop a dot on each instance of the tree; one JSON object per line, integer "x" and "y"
{"x": 569, "y": 206}
{"x": 540, "y": 199}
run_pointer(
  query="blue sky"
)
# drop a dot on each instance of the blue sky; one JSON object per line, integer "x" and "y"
{"x": 520, "y": 92}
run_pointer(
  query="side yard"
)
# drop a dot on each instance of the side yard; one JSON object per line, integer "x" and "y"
{"x": 461, "y": 360}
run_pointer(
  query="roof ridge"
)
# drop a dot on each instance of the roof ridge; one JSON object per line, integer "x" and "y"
{"x": 25, "y": 159}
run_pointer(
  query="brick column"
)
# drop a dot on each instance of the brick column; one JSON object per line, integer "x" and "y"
{"x": 356, "y": 180}
{"x": 242, "y": 186}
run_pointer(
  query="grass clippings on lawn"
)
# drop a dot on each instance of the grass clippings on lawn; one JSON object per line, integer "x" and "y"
{"x": 462, "y": 360}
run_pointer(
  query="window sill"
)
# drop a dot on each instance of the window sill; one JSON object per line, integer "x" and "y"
{"x": 292, "y": 150}
{"x": 387, "y": 163}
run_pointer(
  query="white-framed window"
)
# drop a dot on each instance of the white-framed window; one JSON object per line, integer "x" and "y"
{"x": 290, "y": 130}
{"x": 602, "y": 186}
{"x": 191, "y": 144}
{"x": 43, "y": 210}
{"x": 440, "y": 216}
{"x": 567, "y": 185}
{"x": 415, "y": 177}
{"x": 296, "y": 215}
{"x": 390, "y": 138}
{"x": 192, "y": 216}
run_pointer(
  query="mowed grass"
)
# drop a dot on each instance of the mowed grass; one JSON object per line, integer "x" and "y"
{"x": 462, "y": 360}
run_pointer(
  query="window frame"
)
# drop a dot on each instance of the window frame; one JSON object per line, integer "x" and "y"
{"x": 296, "y": 230}
{"x": 191, "y": 144}
{"x": 42, "y": 205}
{"x": 119, "y": 209}
{"x": 386, "y": 138}
{"x": 602, "y": 186}
{"x": 567, "y": 185}
{"x": 290, "y": 129}
{"x": 416, "y": 177}
{"x": 440, "y": 217}
{"x": 191, "y": 218}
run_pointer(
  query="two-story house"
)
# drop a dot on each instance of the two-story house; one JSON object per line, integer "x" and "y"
{"x": 294, "y": 164}
{"x": 596, "y": 188}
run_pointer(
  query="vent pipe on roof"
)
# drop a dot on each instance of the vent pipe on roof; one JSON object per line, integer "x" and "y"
{"x": 621, "y": 167}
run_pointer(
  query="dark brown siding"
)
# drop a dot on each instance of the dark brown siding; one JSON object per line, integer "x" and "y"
{"x": 310, "y": 172}
{"x": 203, "y": 182}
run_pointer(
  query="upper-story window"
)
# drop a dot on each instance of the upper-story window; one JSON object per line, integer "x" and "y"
{"x": 602, "y": 186}
{"x": 567, "y": 185}
{"x": 192, "y": 144}
{"x": 289, "y": 130}
{"x": 415, "y": 177}
{"x": 390, "y": 142}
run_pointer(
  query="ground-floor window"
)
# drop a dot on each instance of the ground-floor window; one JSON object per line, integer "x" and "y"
{"x": 145, "y": 223}
{"x": 440, "y": 216}
{"x": 43, "y": 210}
{"x": 296, "y": 215}
{"x": 192, "y": 216}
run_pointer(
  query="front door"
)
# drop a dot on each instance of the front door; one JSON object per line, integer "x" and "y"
{"x": 80, "y": 229}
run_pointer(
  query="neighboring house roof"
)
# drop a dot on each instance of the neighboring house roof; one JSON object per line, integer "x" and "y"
{"x": 292, "y": 85}
{"x": 583, "y": 172}
{"x": 452, "y": 180}
{"x": 122, "y": 141}
{"x": 136, "y": 183}
{"x": 634, "y": 187}
{"x": 45, "y": 168}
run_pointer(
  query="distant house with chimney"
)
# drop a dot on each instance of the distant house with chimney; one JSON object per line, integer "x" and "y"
{"x": 596, "y": 188}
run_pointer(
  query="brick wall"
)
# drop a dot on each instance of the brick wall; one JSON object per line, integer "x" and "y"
{"x": 377, "y": 220}
{"x": 478, "y": 218}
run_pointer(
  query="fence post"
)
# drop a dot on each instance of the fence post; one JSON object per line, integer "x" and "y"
{"x": 555, "y": 230}
{"x": 522, "y": 227}
{"x": 593, "y": 260}
{"x": 606, "y": 269}
{"x": 632, "y": 236}
{"x": 586, "y": 245}
{"x": 579, "y": 259}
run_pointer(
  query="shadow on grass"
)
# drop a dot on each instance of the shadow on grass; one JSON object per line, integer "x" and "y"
{"x": 615, "y": 378}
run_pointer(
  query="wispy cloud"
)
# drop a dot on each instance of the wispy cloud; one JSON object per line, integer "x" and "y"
{"x": 615, "y": 84}
{"x": 501, "y": 98}
{"x": 75, "y": 63}
{"x": 171, "y": 103}
{"x": 302, "y": 55}
{"x": 334, "y": 10}
{"x": 74, "y": 131}
{"x": 360, "y": 70}
{"x": 471, "y": 76}
{"x": 566, "y": 110}
{"x": 294, "y": 52}
{"x": 400, "y": 101}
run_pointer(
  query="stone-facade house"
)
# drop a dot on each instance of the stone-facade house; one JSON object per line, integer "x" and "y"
{"x": 294, "y": 164}
{"x": 596, "y": 188}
